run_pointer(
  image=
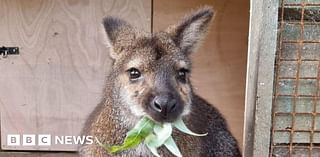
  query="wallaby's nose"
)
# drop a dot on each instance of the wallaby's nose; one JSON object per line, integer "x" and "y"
{"x": 164, "y": 104}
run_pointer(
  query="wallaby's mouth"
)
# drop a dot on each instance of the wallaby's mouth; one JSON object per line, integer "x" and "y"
{"x": 167, "y": 113}
{"x": 161, "y": 119}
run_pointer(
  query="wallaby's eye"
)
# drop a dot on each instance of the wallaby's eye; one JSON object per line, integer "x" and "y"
{"x": 182, "y": 74}
{"x": 134, "y": 73}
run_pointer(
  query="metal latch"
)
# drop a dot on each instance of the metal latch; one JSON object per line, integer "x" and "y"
{"x": 5, "y": 51}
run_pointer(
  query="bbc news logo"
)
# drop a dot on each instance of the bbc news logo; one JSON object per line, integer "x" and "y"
{"x": 46, "y": 140}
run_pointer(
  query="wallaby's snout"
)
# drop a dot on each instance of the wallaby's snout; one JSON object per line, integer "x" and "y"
{"x": 164, "y": 104}
{"x": 165, "y": 107}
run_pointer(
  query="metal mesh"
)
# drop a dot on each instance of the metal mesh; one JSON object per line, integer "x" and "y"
{"x": 296, "y": 103}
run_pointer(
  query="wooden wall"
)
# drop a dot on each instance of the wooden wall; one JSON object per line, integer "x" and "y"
{"x": 52, "y": 86}
{"x": 220, "y": 64}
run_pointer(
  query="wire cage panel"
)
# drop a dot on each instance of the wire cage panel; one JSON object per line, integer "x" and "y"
{"x": 296, "y": 102}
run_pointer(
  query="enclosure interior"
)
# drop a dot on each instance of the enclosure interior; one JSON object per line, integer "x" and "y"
{"x": 57, "y": 79}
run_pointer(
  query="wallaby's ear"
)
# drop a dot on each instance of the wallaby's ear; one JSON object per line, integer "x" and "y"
{"x": 191, "y": 29}
{"x": 118, "y": 34}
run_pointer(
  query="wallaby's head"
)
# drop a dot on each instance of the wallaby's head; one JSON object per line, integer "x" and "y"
{"x": 151, "y": 72}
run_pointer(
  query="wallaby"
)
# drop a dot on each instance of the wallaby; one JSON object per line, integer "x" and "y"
{"x": 150, "y": 76}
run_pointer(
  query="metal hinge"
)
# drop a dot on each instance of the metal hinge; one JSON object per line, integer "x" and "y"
{"x": 5, "y": 51}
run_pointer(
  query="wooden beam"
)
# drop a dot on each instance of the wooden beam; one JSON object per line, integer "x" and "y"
{"x": 260, "y": 73}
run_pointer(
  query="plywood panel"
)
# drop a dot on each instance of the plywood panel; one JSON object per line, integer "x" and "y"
{"x": 52, "y": 86}
{"x": 220, "y": 64}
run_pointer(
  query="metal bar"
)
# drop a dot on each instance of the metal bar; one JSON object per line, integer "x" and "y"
{"x": 301, "y": 78}
{"x": 282, "y": 59}
{"x": 315, "y": 101}
{"x": 278, "y": 62}
{"x": 298, "y": 71}
{"x": 300, "y": 4}
{"x": 299, "y": 41}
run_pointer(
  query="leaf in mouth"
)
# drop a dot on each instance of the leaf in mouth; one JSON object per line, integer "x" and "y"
{"x": 179, "y": 124}
{"x": 154, "y": 136}
{"x": 172, "y": 147}
{"x": 134, "y": 137}
{"x": 161, "y": 133}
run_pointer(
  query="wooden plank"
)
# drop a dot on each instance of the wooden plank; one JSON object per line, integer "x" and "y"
{"x": 56, "y": 81}
{"x": 260, "y": 73}
{"x": 219, "y": 66}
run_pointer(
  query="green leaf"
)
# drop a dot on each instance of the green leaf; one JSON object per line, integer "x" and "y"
{"x": 104, "y": 146}
{"x": 179, "y": 124}
{"x": 130, "y": 142}
{"x": 153, "y": 150}
{"x": 172, "y": 147}
{"x": 134, "y": 137}
{"x": 143, "y": 127}
{"x": 154, "y": 136}
{"x": 162, "y": 133}
{"x": 152, "y": 140}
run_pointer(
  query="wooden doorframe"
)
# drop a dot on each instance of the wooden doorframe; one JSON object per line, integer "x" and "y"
{"x": 260, "y": 76}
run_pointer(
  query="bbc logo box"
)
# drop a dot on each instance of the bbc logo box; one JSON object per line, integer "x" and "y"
{"x": 28, "y": 140}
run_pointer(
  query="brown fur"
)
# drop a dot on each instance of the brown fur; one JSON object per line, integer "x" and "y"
{"x": 163, "y": 61}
